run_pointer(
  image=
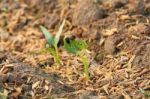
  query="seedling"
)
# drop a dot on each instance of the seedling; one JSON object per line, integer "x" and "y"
{"x": 79, "y": 47}
{"x": 146, "y": 93}
{"x": 53, "y": 41}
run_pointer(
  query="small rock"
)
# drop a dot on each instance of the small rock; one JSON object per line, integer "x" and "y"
{"x": 87, "y": 11}
{"x": 111, "y": 43}
{"x": 142, "y": 56}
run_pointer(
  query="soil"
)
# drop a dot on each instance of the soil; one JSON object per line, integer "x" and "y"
{"x": 118, "y": 37}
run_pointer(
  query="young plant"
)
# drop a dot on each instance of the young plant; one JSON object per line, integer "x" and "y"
{"x": 53, "y": 41}
{"x": 79, "y": 47}
{"x": 146, "y": 93}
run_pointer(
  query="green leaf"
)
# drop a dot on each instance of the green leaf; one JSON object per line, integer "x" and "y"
{"x": 57, "y": 36}
{"x": 75, "y": 45}
{"x": 47, "y": 35}
{"x": 81, "y": 44}
{"x": 145, "y": 93}
{"x": 70, "y": 47}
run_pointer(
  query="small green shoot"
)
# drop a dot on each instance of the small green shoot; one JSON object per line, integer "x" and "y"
{"x": 79, "y": 47}
{"x": 5, "y": 9}
{"x": 4, "y": 94}
{"x": 53, "y": 41}
{"x": 146, "y": 93}
{"x": 86, "y": 64}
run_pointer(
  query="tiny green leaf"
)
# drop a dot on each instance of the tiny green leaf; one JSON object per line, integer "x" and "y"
{"x": 57, "y": 36}
{"x": 145, "y": 93}
{"x": 81, "y": 44}
{"x": 79, "y": 47}
{"x": 53, "y": 41}
{"x": 75, "y": 45}
{"x": 70, "y": 47}
{"x": 47, "y": 35}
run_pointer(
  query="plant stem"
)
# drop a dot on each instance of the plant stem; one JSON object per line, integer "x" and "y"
{"x": 57, "y": 56}
{"x": 86, "y": 63}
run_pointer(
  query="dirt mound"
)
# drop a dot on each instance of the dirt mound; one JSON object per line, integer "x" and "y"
{"x": 29, "y": 80}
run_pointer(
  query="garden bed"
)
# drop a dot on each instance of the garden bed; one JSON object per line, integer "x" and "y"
{"x": 118, "y": 36}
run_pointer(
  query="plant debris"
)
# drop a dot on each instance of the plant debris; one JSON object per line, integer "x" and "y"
{"x": 117, "y": 33}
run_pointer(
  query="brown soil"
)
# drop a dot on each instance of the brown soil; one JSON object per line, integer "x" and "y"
{"x": 118, "y": 36}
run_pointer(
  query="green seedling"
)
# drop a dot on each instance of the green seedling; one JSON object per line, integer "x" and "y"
{"x": 146, "y": 93}
{"x": 79, "y": 47}
{"x": 5, "y": 9}
{"x": 4, "y": 94}
{"x": 53, "y": 41}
